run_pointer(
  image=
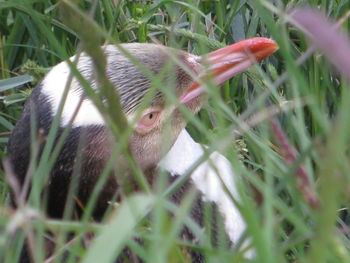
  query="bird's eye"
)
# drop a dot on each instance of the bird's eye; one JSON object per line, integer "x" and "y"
{"x": 148, "y": 121}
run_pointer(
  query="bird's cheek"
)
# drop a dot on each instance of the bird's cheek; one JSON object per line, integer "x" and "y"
{"x": 146, "y": 149}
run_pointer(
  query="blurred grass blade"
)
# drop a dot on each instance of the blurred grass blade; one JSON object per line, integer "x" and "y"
{"x": 15, "y": 82}
{"x": 113, "y": 236}
{"x": 325, "y": 36}
{"x": 13, "y": 98}
{"x": 5, "y": 123}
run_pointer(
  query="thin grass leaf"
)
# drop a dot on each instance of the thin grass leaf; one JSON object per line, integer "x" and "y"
{"x": 15, "y": 82}
{"x": 122, "y": 223}
{"x": 6, "y": 124}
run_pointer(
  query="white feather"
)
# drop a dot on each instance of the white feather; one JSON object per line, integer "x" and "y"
{"x": 208, "y": 178}
{"x": 53, "y": 87}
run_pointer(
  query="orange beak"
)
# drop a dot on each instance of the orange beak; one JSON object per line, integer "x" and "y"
{"x": 227, "y": 62}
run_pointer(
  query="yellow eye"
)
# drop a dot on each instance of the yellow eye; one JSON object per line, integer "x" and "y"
{"x": 148, "y": 121}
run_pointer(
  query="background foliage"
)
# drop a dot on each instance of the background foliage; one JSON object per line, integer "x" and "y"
{"x": 296, "y": 221}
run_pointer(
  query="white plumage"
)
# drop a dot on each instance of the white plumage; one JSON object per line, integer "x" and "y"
{"x": 208, "y": 177}
{"x": 53, "y": 87}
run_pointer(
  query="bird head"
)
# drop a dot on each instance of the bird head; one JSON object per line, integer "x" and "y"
{"x": 157, "y": 125}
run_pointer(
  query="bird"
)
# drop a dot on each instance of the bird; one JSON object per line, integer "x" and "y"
{"x": 152, "y": 144}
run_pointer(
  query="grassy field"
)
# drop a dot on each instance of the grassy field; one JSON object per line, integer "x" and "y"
{"x": 284, "y": 125}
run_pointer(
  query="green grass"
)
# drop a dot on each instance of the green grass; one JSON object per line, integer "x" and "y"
{"x": 294, "y": 222}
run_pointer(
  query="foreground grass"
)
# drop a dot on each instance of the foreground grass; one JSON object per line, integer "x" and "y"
{"x": 292, "y": 124}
